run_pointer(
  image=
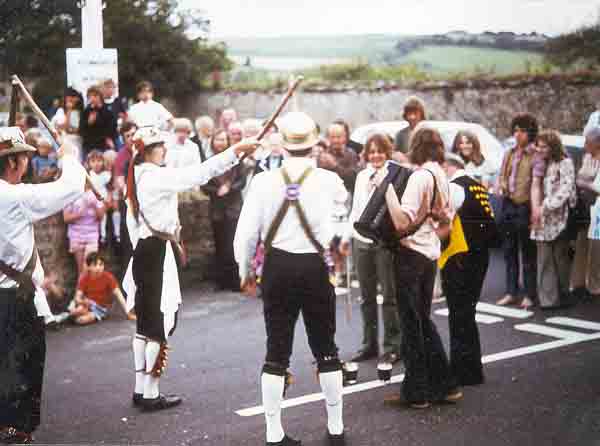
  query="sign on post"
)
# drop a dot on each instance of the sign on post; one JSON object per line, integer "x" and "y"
{"x": 87, "y": 67}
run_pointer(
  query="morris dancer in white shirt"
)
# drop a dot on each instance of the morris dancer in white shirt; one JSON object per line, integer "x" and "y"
{"x": 151, "y": 281}
{"x": 295, "y": 224}
{"x": 23, "y": 304}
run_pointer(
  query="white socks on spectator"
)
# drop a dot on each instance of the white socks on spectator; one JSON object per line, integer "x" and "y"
{"x": 272, "y": 395}
{"x": 151, "y": 383}
{"x": 332, "y": 386}
{"x": 139, "y": 361}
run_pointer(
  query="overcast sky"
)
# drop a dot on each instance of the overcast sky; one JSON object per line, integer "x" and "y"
{"x": 286, "y": 17}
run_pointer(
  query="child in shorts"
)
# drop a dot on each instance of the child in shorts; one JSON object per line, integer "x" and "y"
{"x": 96, "y": 292}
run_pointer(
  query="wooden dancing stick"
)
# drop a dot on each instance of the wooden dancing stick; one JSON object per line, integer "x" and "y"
{"x": 278, "y": 111}
{"x": 14, "y": 107}
{"x": 16, "y": 82}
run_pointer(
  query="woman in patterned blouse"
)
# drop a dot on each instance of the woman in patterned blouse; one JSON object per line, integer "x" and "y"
{"x": 553, "y": 263}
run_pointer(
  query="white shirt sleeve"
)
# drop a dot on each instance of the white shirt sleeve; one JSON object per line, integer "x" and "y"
{"x": 596, "y": 184}
{"x": 593, "y": 121}
{"x": 457, "y": 197}
{"x": 360, "y": 195}
{"x": 194, "y": 153}
{"x": 40, "y": 201}
{"x": 165, "y": 115}
{"x": 249, "y": 228}
{"x": 171, "y": 179}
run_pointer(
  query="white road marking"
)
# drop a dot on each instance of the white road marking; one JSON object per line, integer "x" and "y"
{"x": 503, "y": 311}
{"x": 515, "y": 353}
{"x": 340, "y": 291}
{"x": 479, "y": 318}
{"x": 355, "y": 284}
{"x": 575, "y": 323}
{"x": 106, "y": 341}
{"x": 550, "y": 331}
{"x": 313, "y": 397}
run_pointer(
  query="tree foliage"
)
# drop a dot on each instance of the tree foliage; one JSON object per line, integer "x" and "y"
{"x": 151, "y": 36}
{"x": 581, "y": 46}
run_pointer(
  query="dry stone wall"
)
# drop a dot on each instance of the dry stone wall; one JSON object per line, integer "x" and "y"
{"x": 563, "y": 103}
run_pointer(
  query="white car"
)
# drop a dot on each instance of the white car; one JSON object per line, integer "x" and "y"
{"x": 491, "y": 147}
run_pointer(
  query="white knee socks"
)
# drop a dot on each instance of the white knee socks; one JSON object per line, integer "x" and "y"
{"x": 332, "y": 386}
{"x": 272, "y": 395}
{"x": 151, "y": 384}
{"x": 139, "y": 361}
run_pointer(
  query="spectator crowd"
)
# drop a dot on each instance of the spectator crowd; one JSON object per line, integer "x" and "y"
{"x": 546, "y": 206}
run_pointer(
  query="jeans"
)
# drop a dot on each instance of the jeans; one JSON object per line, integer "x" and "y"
{"x": 515, "y": 225}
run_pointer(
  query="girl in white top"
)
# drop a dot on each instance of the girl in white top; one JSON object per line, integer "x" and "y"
{"x": 147, "y": 112}
{"x": 467, "y": 145}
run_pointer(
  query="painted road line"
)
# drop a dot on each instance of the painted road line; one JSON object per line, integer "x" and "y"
{"x": 575, "y": 323}
{"x": 341, "y": 291}
{"x": 479, "y": 318}
{"x": 313, "y": 397}
{"x": 504, "y": 311}
{"x": 550, "y": 331}
{"x": 502, "y": 356}
{"x": 355, "y": 284}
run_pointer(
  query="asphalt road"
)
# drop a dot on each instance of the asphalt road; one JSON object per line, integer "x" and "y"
{"x": 543, "y": 385}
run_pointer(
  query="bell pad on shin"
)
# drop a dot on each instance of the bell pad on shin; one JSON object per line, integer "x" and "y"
{"x": 161, "y": 361}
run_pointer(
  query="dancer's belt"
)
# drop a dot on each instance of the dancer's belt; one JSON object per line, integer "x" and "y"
{"x": 175, "y": 240}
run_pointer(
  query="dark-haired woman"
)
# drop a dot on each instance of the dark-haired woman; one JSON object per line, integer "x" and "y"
{"x": 553, "y": 262}
{"x": 468, "y": 147}
{"x": 225, "y": 193}
{"x": 152, "y": 282}
{"x": 422, "y": 212}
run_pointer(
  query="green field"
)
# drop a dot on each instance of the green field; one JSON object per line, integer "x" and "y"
{"x": 454, "y": 59}
{"x": 293, "y": 53}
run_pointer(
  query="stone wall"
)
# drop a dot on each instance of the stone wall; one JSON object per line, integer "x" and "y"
{"x": 561, "y": 102}
{"x": 52, "y": 243}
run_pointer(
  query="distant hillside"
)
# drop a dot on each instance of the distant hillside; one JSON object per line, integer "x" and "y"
{"x": 503, "y": 53}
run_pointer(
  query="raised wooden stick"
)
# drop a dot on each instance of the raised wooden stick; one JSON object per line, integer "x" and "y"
{"x": 16, "y": 82}
{"x": 278, "y": 111}
{"x": 14, "y": 107}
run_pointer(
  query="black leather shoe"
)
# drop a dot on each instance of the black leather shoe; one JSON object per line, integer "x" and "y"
{"x": 287, "y": 441}
{"x": 337, "y": 440}
{"x": 136, "y": 399}
{"x": 9, "y": 435}
{"x": 364, "y": 355}
{"x": 160, "y": 403}
{"x": 390, "y": 358}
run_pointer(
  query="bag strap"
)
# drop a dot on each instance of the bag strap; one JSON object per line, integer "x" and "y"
{"x": 291, "y": 199}
{"x": 412, "y": 230}
{"x": 23, "y": 278}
